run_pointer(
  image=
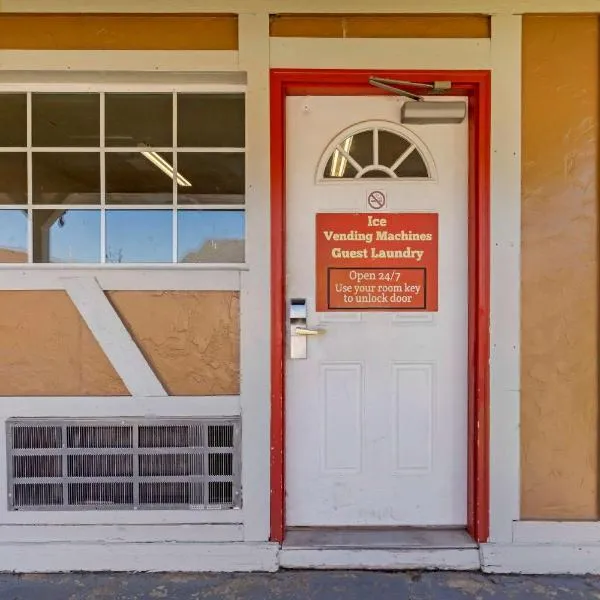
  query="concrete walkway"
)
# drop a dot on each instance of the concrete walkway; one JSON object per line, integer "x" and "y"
{"x": 302, "y": 585}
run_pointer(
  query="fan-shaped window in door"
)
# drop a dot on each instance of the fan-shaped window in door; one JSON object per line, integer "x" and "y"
{"x": 374, "y": 152}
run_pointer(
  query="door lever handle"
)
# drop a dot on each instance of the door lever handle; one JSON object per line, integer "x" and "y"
{"x": 305, "y": 332}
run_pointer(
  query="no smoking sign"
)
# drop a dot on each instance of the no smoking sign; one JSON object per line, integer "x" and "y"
{"x": 376, "y": 200}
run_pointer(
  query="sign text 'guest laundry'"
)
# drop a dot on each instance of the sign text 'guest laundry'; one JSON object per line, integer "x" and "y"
{"x": 377, "y": 262}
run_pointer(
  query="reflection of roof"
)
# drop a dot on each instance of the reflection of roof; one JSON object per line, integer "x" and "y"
{"x": 12, "y": 256}
{"x": 216, "y": 251}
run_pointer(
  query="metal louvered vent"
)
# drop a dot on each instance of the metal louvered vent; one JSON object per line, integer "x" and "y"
{"x": 67, "y": 464}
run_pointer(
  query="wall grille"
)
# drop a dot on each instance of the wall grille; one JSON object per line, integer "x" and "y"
{"x": 126, "y": 464}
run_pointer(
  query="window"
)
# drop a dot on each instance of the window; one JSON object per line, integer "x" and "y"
{"x": 375, "y": 153}
{"x": 112, "y": 177}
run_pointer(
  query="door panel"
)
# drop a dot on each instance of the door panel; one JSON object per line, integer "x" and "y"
{"x": 376, "y": 416}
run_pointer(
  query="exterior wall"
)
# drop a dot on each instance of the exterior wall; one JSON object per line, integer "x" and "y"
{"x": 559, "y": 405}
{"x": 390, "y": 26}
{"x": 111, "y": 32}
{"x": 190, "y": 339}
{"x": 559, "y": 342}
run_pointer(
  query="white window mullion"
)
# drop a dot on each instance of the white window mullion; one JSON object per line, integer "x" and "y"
{"x": 102, "y": 180}
{"x": 176, "y": 171}
{"x": 29, "y": 180}
{"x": 376, "y": 146}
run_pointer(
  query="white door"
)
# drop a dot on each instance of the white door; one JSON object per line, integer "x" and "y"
{"x": 376, "y": 415}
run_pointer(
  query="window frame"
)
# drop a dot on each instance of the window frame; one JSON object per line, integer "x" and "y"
{"x": 379, "y": 125}
{"x": 103, "y": 88}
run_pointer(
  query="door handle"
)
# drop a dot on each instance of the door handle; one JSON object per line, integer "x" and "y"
{"x": 306, "y": 332}
{"x": 298, "y": 328}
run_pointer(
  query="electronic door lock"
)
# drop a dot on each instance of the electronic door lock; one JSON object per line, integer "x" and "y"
{"x": 298, "y": 328}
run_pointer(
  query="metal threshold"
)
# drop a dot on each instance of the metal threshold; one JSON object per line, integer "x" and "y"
{"x": 377, "y": 538}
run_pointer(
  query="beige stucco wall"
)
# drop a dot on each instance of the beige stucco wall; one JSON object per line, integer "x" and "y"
{"x": 190, "y": 339}
{"x": 46, "y": 349}
{"x": 559, "y": 343}
{"x": 118, "y": 32}
{"x": 380, "y": 26}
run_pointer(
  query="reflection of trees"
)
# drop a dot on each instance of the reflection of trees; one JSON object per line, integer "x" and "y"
{"x": 216, "y": 251}
{"x": 114, "y": 257}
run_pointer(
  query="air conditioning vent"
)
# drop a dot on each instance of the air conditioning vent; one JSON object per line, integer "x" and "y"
{"x": 125, "y": 465}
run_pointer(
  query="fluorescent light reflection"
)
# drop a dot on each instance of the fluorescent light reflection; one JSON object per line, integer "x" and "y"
{"x": 339, "y": 162}
{"x": 158, "y": 161}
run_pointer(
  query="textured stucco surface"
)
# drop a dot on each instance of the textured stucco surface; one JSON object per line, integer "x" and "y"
{"x": 298, "y": 586}
{"x": 46, "y": 349}
{"x": 118, "y": 32}
{"x": 190, "y": 339}
{"x": 559, "y": 413}
{"x": 379, "y": 26}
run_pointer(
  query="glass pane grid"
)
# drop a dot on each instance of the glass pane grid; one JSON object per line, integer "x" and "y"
{"x": 44, "y": 213}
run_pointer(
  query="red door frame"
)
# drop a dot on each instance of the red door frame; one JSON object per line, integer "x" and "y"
{"x": 475, "y": 85}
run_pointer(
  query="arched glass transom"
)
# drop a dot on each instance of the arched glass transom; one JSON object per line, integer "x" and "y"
{"x": 375, "y": 153}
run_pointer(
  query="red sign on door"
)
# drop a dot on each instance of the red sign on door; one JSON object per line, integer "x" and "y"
{"x": 383, "y": 261}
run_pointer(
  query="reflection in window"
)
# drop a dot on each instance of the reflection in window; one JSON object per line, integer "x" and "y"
{"x": 66, "y": 236}
{"x": 139, "y": 178}
{"x": 66, "y": 178}
{"x": 13, "y": 178}
{"x": 65, "y": 120}
{"x": 391, "y": 146}
{"x": 134, "y": 120}
{"x": 139, "y": 236}
{"x": 13, "y": 236}
{"x": 210, "y": 120}
{"x": 13, "y": 120}
{"x": 377, "y": 154}
{"x": 213, "y": 178}
{"x": 210, "y": 236}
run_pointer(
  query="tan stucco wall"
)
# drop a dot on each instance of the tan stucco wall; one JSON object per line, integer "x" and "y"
{"x": 191, "y": 339}
{"x": 118, "y": 32}
{"x": 559, "y": 407}
{"x": 46, "y": 349}
{"x": 380, "y": 26}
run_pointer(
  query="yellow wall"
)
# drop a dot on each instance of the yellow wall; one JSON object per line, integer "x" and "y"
{"x": 559, "y": 407}
{"x": 118, "y": 32}
{"x": 379, "y": 26}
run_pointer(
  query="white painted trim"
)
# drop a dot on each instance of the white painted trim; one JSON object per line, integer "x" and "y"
{"x": 147, "y": 518}
{"x": 505, "y": 277}
{"x": 381, "y": 559}
{"x": 156, "y": 557}
{"x": 113, "y": 337}
{"x": 115, "y": 81}
{"x": 114, "y": 534}
{"x": 551, "y": 559}
{"x": 255, "y": 301}
{"x": 556, "y": 532}
{"x": 362, "y": 53}
{"x": 119, "y": 406}
{"x": 52, "y": 278}
{"x": 304, "y": 6}
{"x": 119, "y": 60}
